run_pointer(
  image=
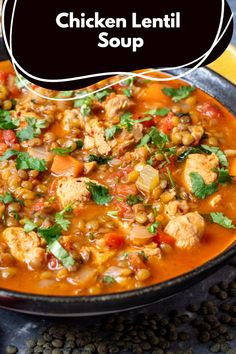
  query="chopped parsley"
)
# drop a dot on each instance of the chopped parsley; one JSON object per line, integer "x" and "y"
{"x": 24, "y": 161}
{"x": 143, "y": 256}
{"x": 162, "y": 112}
{"x": 224, "y": 176}
{"x": 62, "y": 151}
{"x": 111, "y": 132}
{"x": 134, "y": 199}
{"x": 153, "y": 227}
{"x": 32, "y": 129}
{"x": 101, "y": 95}
{"x": 101, "y": 160}
{"x": 6, "y": 122}
{"x": 127, "y": 92}
{"x": 61, "y": 220}
{"x": 200, "y": 188}
{"x": 79, "y": 144}
{"x": 29, "y": 225}
{"x": 85, "y": 104}
{"x": 7, "y": 198}
{"x": 51, "y": 235}
{"x": 108, "y": 279}
{"x": 178, "y": 94}
{"x": 99, "y": 193}
{"x": 222, "y": 220}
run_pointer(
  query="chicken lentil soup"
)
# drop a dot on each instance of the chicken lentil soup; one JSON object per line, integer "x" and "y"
{"x": 128, "y": 187}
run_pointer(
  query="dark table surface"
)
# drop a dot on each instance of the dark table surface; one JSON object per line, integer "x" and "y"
{"x": 17, "y": 328}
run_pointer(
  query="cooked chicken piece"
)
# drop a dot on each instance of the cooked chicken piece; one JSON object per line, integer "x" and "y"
{"x": 175, "y": 208}
{"x": 137, "y": 132}
{"x": 96, "y": 138}
{"x": 202, "y": 164}
{"x": 186, "y": 229}
{"x": 89, "y": 143}
{"x": 71, "y": 119}
{"x": 71, "y": 190}
{"x": 116, "y": 105}
{"x": 25, "y": 247}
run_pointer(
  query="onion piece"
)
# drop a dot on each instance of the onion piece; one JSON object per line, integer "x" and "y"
{"x": 139, "y": 235}
{"x": 40, "y": 153}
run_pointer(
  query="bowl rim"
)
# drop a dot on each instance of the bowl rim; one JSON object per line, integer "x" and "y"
{"x": 211, "y": 264}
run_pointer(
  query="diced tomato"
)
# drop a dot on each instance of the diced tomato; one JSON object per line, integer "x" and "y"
{"x": 3, "y": 148}
{"x": 165, "y": 124}
{"x": 210, "y": 110}
{"x": 125, "y": 189}
{"x": 114, "y": 240}
{"x": 149, "y": 123}
{"x": 170, "y": 165}
{"x": 3, "y": 77}
{"x": 162, "y": 237}
{"x": 53, "y": 263}
{"x": 9, "y": 137}
{"x": 37, "y": 206}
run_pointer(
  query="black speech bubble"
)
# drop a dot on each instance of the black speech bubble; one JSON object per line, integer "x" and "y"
{"x": 45, "y": 50}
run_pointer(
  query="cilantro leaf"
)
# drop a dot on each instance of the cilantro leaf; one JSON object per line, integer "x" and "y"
{"x": 32, "y": 129}
{"x": 101, "y": 95}
{"x": 50, "y": 233}
{"x": 8, "y": 154}
{"x": 101, "y": 160}
{"x": 61, "y": 220}
{"x": 200, "y": 188}
{"x": 153, "y": 228}
{"x": 26, "y": 133}
{"x": 25, "y": 162}
{"x": 85, "y": 104}
{"x": 178, "y": 94}
{"x": 126, "y": 121}
{"x": 7, "y": 198}
{"x": 127, "y": 92}
{"x": 108, "y": 279}
{"x": 79, "y": 144}
{"x": 224, "y": 176}
{"x": 110, "y": 132}
{"x": 65, "y": 94}
{"x": 133, "y": 199}
{"x": 62, "y": 151}
{"x": 222, "y": 220}
{"x": 162, "y": 112}
{"x": 158, "y": 138}
{"x": 60, "y": 253}
{"x": 6, "y": 122}
{"x": 100, "y": 194}
{"x": 29, "y": 225}
{"x": 144, "y": 141}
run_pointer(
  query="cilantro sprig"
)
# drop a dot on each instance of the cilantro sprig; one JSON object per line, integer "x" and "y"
{"x": 32, "y": 129}
{"x": 200, "y": 188}
{"x": 222, "y": 220}
{"x": 99, "y": 193}
{"x": 6, "y": 121}
{"x": 24, "y": 161}
{"x": 178, "y": 94}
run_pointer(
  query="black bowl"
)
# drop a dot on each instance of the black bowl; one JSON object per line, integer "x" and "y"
{"x": 225, "y": 92}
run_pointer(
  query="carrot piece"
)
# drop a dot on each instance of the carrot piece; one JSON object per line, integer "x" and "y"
{"x": 66, "y": 166}
{"x": 232, "y": 168}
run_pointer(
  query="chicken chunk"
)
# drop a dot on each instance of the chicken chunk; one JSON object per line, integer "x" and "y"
{"x": 202, "y": 164}
{"x": 175, "y": 208}
{"x": 186, "y": 229}
{"x": 71, "y": 119}
{"x": 137, "y": 132}
{"x": 71, "y": 190}
{"x": 116, "y": 105}
{"x": 25, "y": 247}
{"x": 96, "y": 138}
